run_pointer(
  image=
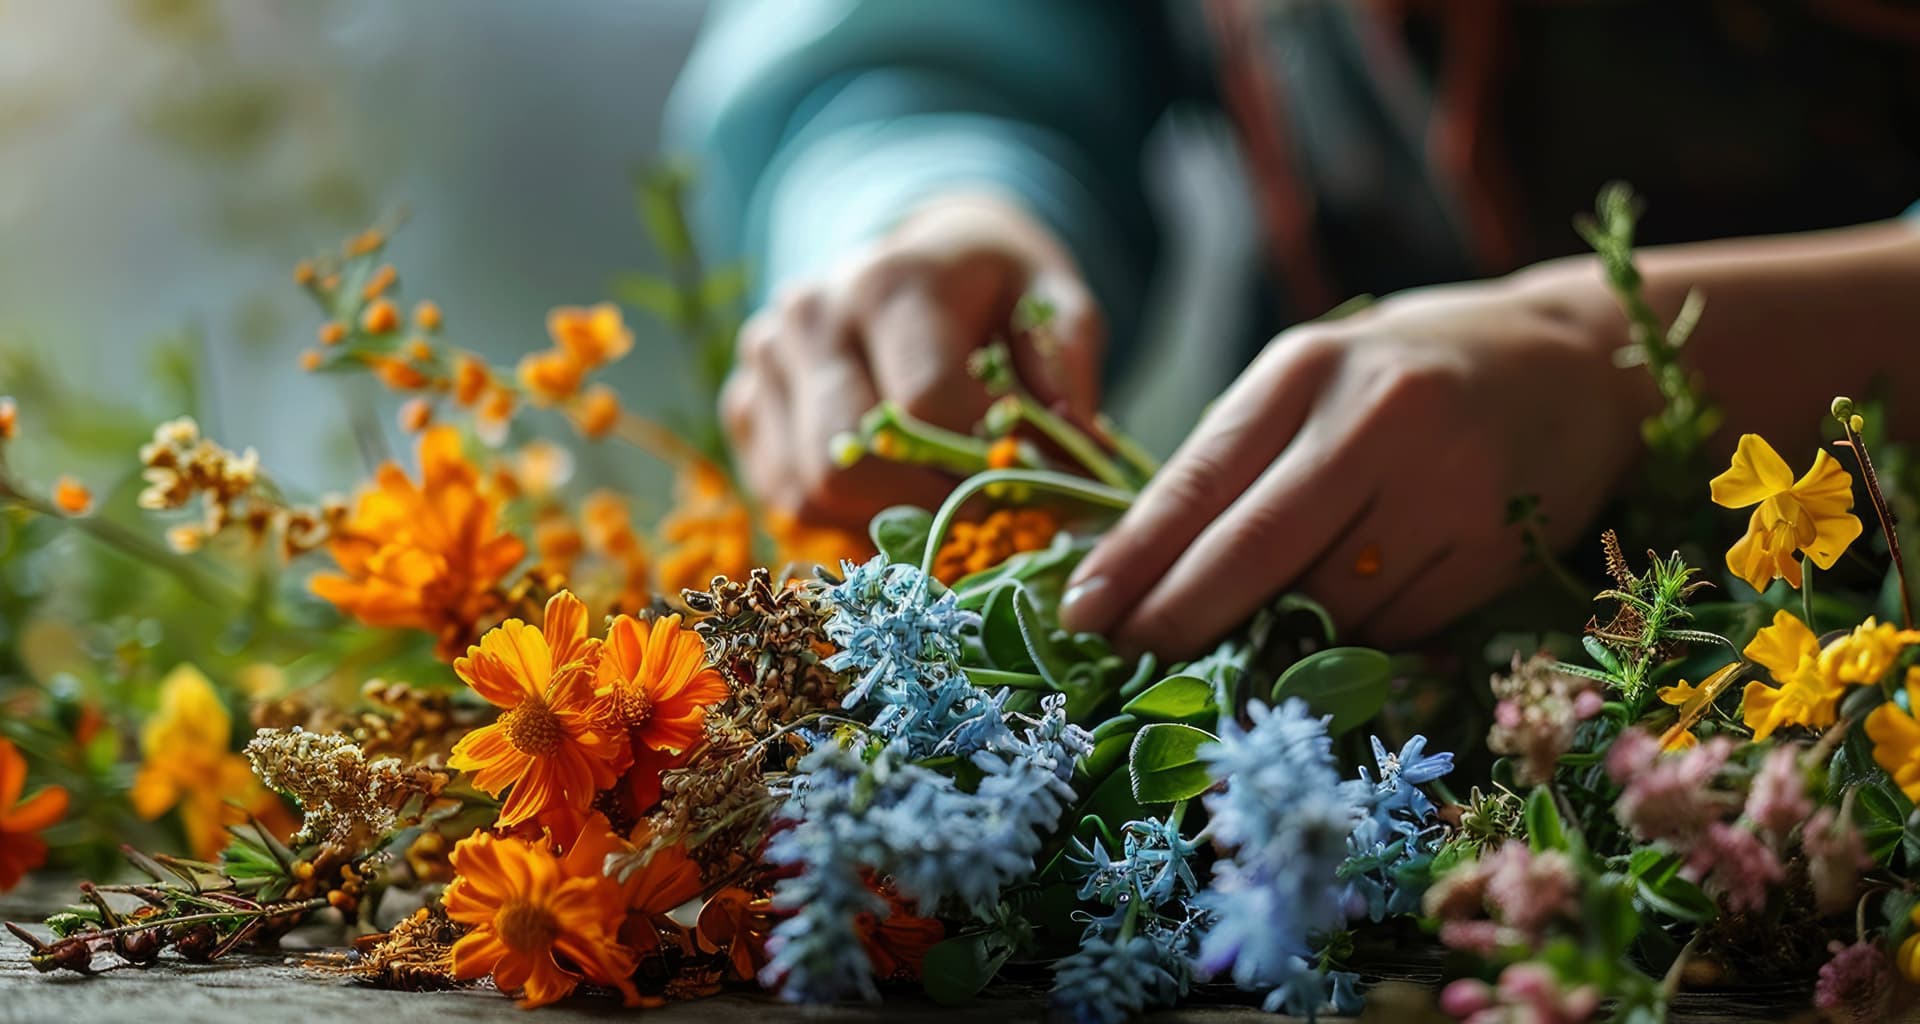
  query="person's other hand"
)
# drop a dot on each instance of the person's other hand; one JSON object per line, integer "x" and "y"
{"x": 898, "y": 321}
{"x": 1369, "y": 463}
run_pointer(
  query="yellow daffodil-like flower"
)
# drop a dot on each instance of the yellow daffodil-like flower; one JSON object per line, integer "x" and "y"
{"x": 1807, "y": 515}
{"x": 1805, "y": 696}
{"x": 1864, "y": 656}
{"x": 1908, "y": 959}
{"x": 1694, "y": 702}
{"x": 189, "y": 762}
{"x": 1896, "y": 739}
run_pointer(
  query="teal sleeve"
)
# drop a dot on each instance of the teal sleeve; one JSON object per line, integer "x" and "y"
{"x": 815, "y": 124}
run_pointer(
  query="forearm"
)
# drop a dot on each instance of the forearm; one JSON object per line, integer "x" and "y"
{"x": 1790, "y": 321}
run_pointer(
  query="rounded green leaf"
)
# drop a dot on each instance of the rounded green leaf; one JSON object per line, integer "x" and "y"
{"x": 1349, "y": 683}
{"x": 1175, "y": 699}
{"x": 1164, "y": 763}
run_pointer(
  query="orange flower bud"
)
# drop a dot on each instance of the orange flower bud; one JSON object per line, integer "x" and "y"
{"x": 333, "y": 332}
{"x": 551, "y": 376}
{"x": 311, "y": 359}
{"x": 72, "y": 497}
{"x": 398, "y": 374}
{"x": 426, "y": 316}
{"x": 415, "y": 415}
{"x": 593, "y": 336}
{"x": 186, "y": 538}
{"x": 9, "y": 418}
{"x": 378, "y": 284}
{"x": 470, "y": 379}
{"x": 365, "y": 242}
{"x": 419, "y": 351}
{"x": 303, "y": 273}
{"x": 557, "y": 541}
{"x": 494, "y": 414}
{"x": 597, "y": 412}
{"x": 1004, "y": 454}
{"x": 380, "y": 317}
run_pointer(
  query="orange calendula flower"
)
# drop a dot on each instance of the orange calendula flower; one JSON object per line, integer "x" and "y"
{"x": 551, "y": 376}
{"x": 656, "y": 684}
{"x": 548, "y": 746}
{"x": 897, "y": 944}
{"x": 1790, "y": 651}
{"x": 597, "y": 412}
{"x": 188, "y": 762}
{"x": 429, "y": 556}
{"x": 668, "y": 879}
{"x": 21, "y": 821}
{"x": 72, "y": 497}
{"x": 534, "y": 928}
{"x": 594, "y": 336}
{"x": 1896, "y": 738}
{"x": 709, "y": 532}
{"x": 1807, "y": 515}
{"x": 805, "y": 543}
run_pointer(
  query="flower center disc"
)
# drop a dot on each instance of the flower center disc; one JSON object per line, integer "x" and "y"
{"x": 526, "y": 927}
{"x": 533, "y": 728}
{"x": 635, "y": 706}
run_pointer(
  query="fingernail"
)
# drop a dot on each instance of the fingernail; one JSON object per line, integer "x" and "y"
{"x": 1080, "y": 610}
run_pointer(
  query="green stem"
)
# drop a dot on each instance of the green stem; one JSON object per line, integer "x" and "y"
{"x": 1130, "y": 451}
{"x": 1072, "y": 440}
{"x": 1062, "y": 484}
{"x": 927, "y": 444}
{"x": 1806, "y": 591}
{"x": 202, "y": 584}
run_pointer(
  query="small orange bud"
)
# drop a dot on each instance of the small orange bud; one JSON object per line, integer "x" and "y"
{"x": 330, "y": 283}
{"x": 380, "y": 317}
{"x": 303, "y": 273}
{"x": 471, "y": 378}
{"x": 551, "y": 376}
{"x": 72, "y": 497}
{"x": 415, "y": 415}
{"x": 1005, "y": 454}
{"x": 365, "y": 242}
{"x": 597, "y": 412}
{"x": 426, "y": 316}
{"x": 398, "y": 374}
{"x": 9, "y": 418}
{"x": 311, "y": 359}
{"x": 378, "y": 284}
{"x": 494, "y": 414}
{"x": 186, "y": 538}
{"x": 419, "y": 351}
{"x": 333, "y": 332}
{"x": 594, "y": 336}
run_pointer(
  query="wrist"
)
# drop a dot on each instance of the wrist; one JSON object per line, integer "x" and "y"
{"x": 1573, "y": 292}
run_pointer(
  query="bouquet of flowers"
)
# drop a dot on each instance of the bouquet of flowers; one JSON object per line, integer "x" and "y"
{"x": 733, "y": 751}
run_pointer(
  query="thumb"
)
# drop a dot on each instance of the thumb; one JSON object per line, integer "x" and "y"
{"x": 1060, "y": 361}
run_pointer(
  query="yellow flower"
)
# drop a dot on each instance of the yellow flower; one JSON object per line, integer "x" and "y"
{"x": 1863, "y": 657}
{"x": 1694, "y": 702}
{"x": 189, "y": 762}
{"x": 1896, "y": 739}
{"x": 1790, "y": 651}
{"x": 1807, "y": 515}
{"x": 427, "y": 556}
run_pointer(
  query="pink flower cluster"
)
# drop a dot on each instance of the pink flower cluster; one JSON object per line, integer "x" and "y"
{"x": 1528, "y": 993}
{"x": 1520, "y": 892}
{"x": 1539, "y": 708}
{"x": 1854, "y": 985}
{"x": 1668, "y": 798}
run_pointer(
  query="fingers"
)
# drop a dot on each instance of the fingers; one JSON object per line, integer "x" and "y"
{"x": 916, "y": 337}
{"x": 1389, "y": 545}
{"x": 1269, "y": 535}
{"x": 1061, "y": 365}
{"x": 1234, "y": 445}
{"x": 1465, "y": 578}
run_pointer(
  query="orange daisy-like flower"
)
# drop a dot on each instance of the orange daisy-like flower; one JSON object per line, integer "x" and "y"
{"x": 897, "y": 944}
{"x": 535, "y": 929}
{"x": 429, "y": 556}
{"x": 21, "y": 848}
{"x": 594, "y": 336}
{"x": 549, "y": 745}
{"x": 188, "y": 762}
{"x": 668, "y": 879}
{"x": 656, "y": 684}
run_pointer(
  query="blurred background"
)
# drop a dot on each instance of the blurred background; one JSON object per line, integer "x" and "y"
{"x": 164, "y": 163}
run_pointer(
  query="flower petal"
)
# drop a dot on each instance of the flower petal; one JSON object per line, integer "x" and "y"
{"x": 1782, "y": 646}
{"x": 1757, "y": 473}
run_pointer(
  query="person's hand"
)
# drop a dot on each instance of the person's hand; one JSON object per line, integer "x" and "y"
{"x": 898, "y": 321}
{"x": 1369, "y": 463}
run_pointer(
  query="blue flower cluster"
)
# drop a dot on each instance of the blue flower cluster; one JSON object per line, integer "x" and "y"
{"x": 1141, "y": 953}
{"x": 1389, "y": 851}
{"x": 915, "y": 826}
{"x": 903, "y": 647}
{"x": 1286, "y": 814}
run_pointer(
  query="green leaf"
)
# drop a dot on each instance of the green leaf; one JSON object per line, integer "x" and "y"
{"x": 1111, "y": 747}
{"x": 1676, "y": 898}
{"x": 1175, "y": 699}
{"x": 1545, "y": 830}
{"x": 956, "y": 969}
{"x": 1164, "y": 763}
{"x": 1349, "y": 683}
{"x": 1600, "y": 654}
{"x": 1001, "y": 640}
{"x": 1882, "y": 811}
{"x": 656, "y": 296}
{"x": 900, "y": 532}
{"x": 1048, "y": 658}
{"x": 724, "y": 286}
